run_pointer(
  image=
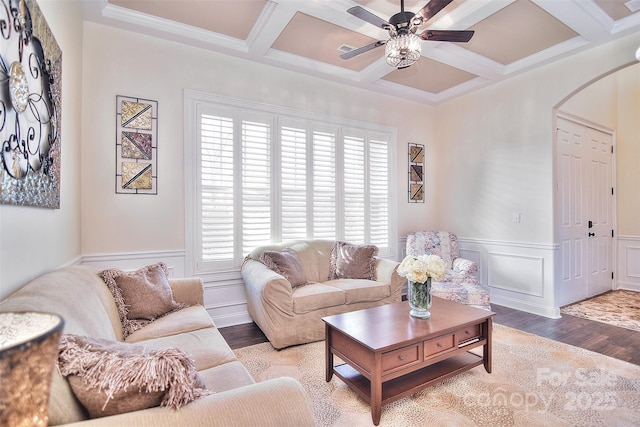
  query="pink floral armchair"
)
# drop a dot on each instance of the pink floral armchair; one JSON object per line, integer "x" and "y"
{"x": 459, "y": 284}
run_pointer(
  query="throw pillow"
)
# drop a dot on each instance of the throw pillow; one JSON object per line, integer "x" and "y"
{"x": 111, "y": 377}
{"x": 287, "y": 264}
{"x": 353, "y": 261}
{"x": 141, "y": 296}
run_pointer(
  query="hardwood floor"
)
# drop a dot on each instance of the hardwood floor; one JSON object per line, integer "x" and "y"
{"x": 619, "y": 343}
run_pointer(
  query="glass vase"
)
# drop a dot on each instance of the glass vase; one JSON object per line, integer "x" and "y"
{"x": 419, "y": 296}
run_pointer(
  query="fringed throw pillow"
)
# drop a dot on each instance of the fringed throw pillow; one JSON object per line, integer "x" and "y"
{"x": 111, "y": 377}
{"x": 141, "y": 296}
{"x": 350, "y": 261}
{"x": 287, "y": 264}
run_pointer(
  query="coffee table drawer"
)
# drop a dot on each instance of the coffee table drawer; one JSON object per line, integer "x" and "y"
{"x": 468, "y": 333}
{"x": 402, "y": 357}
{"x": 438, "y": 345}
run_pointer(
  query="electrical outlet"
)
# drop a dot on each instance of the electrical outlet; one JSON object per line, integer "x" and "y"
{"x": 515, "y": 217}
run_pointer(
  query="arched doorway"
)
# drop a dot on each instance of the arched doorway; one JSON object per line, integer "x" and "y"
{"x": 609, "y": 104}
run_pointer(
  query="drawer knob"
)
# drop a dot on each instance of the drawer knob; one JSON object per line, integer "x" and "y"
{"x": 401, "y": 357}
{"x": 439, "y": 345}
{"x": 467, "y": 332}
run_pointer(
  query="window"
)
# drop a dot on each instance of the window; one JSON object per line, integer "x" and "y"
{"x": 260, "y": 174}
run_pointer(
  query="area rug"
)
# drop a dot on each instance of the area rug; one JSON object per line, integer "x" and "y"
{"x": 534, "y": 382}
{"x": 619, "y": 308}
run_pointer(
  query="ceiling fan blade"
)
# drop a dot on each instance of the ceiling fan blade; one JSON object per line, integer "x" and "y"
{"x": 363, "y": 49}
{"x": 432, "y": 8}
{"x": 447, "y": 35}
{"x": 365, "y": 15}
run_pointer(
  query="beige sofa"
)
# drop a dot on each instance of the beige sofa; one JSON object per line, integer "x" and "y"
{"x": 290, "y": 316}
{"x": 80, "y": 296}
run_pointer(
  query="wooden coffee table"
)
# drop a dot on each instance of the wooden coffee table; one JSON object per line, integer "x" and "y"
{"x": 382, "y": 345}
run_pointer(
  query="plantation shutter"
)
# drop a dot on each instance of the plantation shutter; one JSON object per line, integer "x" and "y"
{"x": 379, "y": 205}
{"x": 216, "y": 188}
{"x": 354, "y": 189}
{"x": 293, "y": 192}
{"x": 324, "y": 185}
{"x": 261, "y": 177}
{"x": 256, "y": 184}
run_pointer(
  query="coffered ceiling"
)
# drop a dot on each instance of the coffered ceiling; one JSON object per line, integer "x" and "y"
{"x": 308, "y": 36}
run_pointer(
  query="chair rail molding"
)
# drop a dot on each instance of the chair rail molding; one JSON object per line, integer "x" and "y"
{"x": 518, "y": 275}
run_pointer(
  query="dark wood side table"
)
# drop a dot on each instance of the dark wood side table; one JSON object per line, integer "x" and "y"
{"x": 382, "y": 345}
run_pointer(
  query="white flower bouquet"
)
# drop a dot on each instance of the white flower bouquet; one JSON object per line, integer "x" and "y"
{"x": 418, "y": 268}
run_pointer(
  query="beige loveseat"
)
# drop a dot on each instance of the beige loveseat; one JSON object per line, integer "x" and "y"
{"x": 81, "y": 297}
{"x": 290, "y": 316}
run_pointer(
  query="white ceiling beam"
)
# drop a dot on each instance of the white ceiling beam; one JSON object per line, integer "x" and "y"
{"x": 464, "y": 59}
{"x": 271, "y": 22}
{"x": 162, "y": 27}
{"x": 469, "y": 13}
{"x": 584, "y": 17}
{"x": 561, "y": 50}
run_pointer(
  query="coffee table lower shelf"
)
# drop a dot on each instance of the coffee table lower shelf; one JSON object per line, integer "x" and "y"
{"x": 407, "y": 385}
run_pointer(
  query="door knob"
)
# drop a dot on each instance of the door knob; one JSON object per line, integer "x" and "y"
{"x": 592, "y": 234}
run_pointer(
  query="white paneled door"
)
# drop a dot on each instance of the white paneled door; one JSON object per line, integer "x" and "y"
{"x": 584, "y": 216}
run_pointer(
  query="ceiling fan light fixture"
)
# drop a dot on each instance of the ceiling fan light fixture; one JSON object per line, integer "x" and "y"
{"x": 403, "y": 50}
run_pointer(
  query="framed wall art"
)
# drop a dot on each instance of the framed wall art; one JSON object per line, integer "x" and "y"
{"x": 416, "y": 173}
{"x": 30, "y": 107}
{"x": 136, "y": 145}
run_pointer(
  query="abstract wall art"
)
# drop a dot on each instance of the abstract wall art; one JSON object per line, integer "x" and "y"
{"x": 30, "y": 107}
{"x": 416, "y": 173}
{"x": 136, "y": 145}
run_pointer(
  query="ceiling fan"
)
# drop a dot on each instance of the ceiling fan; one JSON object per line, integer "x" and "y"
{"x": 404, "y": 46}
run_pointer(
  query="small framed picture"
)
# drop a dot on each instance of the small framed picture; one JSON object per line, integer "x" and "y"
{"x": 416, "y": 173}
{"x": 136, "y": 145}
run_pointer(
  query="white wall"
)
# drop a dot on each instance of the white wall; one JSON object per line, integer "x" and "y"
{"x": 495, "y": 151}
{"x": 118, "y": 62}
{"x": 35, "y": 240}
{"x": 127, "y": 231}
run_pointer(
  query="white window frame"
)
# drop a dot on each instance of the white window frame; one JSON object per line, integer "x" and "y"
{"x": 195, "y": 100}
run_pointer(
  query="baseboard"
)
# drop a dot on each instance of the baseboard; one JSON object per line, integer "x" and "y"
{"x": 222, "y": 321}
{"x": 551, "y": 312}
{"x": 629, "y": 286}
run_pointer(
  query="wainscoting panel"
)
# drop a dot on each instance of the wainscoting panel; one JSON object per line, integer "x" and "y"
{"x": 225, "y": 299}
{"x": 628, "y": 272}
{"x": 516, "y": 273}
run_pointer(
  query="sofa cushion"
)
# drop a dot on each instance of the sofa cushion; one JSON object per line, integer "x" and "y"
{"x": 350, "y": 261}
{"x": 226, "y": 377}
{"x": 206, "y": 347}
{"x": 111, "y": 377}
{"x": 287, "y": 264}
{"x": 185, "y": 320}
{"x": 141, "y": 296}
{"x": 316, "y": 296}
{"x": 361, "y": 290}
{"x": 314, "y": 256}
